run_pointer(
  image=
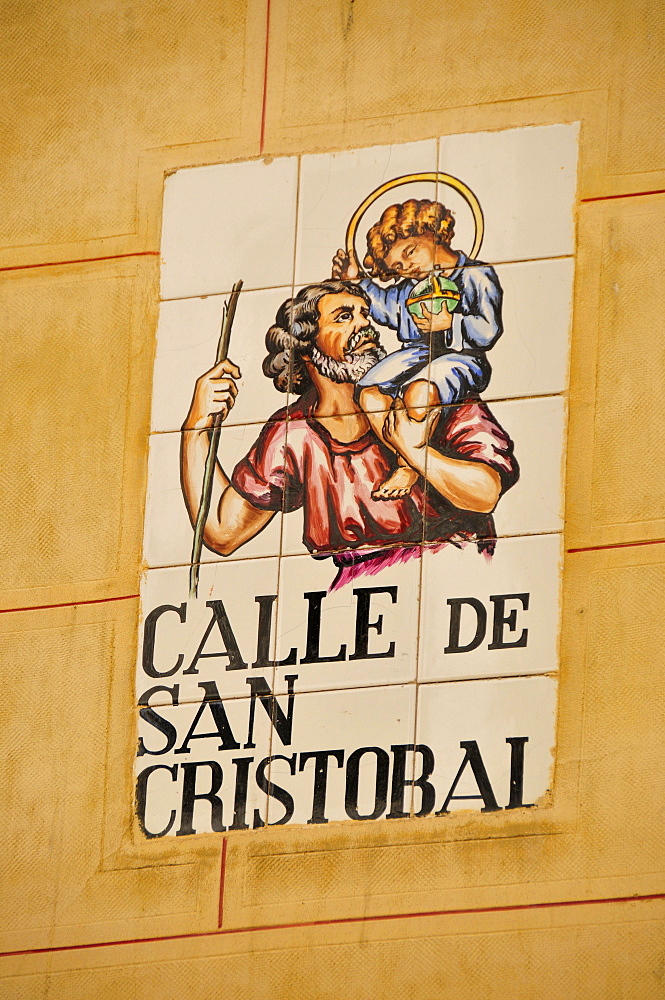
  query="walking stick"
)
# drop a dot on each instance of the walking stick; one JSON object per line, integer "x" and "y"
{"x": 208, "y": 475}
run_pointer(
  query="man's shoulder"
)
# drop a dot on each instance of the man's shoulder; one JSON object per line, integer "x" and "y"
{"x": 472, "y": 417}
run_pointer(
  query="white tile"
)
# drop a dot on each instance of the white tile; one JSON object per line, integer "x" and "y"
{"x": 168, "y": 534}
{"x": 218, "y": 744}
{"x": 228, "y": 222}
{"x": 187, "y": 338}
{"x": 534, "y": 505}
{"x": 531, "y": 357}
{"x": 391, "y": 611}
{"x": 346, "y": 722}
{"x": 464, "y": 603}
{"x": 334, "y": 185}
{"x": 188, "y": 642}
{"x": 525, "y": 180}
{"x": 488, "y": 713}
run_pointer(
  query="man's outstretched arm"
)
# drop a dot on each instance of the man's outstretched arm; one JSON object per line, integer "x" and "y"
{"x": 473, "y": 486}
{"x": 232, "y": 520}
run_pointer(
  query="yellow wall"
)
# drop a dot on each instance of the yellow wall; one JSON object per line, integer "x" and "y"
{"x": 103, "y": 98}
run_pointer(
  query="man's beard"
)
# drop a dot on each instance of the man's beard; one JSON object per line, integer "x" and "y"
{"x": 353, "y": 367}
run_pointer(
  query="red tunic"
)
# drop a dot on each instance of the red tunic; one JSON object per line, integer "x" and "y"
{"x": 296, "y": 463}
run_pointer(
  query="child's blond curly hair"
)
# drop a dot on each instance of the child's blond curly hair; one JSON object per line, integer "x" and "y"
{"x": 399, "y": 222}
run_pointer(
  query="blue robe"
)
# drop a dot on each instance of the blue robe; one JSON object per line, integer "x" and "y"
{"x": 455, "y": 361}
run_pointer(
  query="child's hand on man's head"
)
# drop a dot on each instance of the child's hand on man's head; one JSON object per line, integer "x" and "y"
{"x": 344, "y": 268}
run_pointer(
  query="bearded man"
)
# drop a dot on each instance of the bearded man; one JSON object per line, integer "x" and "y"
{"x": 321, "y": 454}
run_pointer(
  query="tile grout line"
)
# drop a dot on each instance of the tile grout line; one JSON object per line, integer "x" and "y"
{"x": 267, "y": 288}
{"x": 562, "y": 393}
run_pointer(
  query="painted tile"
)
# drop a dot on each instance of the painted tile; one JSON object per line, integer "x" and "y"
{"x": 364, "y": 632}
{"x": 196, "y": 766}
{"x": 336, "y": 465}
{"x": 522, "y": 440}
{"x": 187, "y": 338}
{"x": 168, "y": 532}
{"x": 228, "y": 222}
{"x": 334, "y": 185}
{"x": 339, "y": 644}
{"x": 471, "y": 723}
{"x": 497, "y": 617}
{"x": 531, "y": 357}
{"x": 364, "y": 741}
{"x": 525, "y": 182}
{"x": 226, "y": 634}
{"x": 534, "y": 505}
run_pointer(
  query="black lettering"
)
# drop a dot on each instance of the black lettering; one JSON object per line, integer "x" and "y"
{"x": 400, "y": 782}
{"x": 283, "y": 724}
{"x": 142, "y": 796}
{"x": 501, "y": 619}
{"x": 312, "y": 652}
{"x": 472, "y": 757}
{"x": 149, "y": 632}
{"x": 154, "y": 719}
{"x": 190, "y": 796}
{"x": 353, "y": 779}
{"x": 213, "y": 702}
{"x": 240, "y": 796}
{"x": 363, "y": 624}
{"x": 321, "y": 758}
{"x": 264, "y": 636}
{"x": 274, "y": 790}
{"x": 455, "y": 623}
{"x": 221, "y": 620}
{"x": 517, "y": 772}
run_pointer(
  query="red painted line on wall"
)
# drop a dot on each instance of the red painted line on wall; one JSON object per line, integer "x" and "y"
{"x": 82, "y": 260}
{"x": 632, "y": 194}
{"x": 338, "y": 920}
{"x": 265, "y": 80}
{"x": 69, "y": 604}
{"x": 619, "y": 545}
{"x": 222, "y": 878}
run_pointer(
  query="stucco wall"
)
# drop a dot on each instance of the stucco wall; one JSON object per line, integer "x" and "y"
{"x": 105, "y": 99}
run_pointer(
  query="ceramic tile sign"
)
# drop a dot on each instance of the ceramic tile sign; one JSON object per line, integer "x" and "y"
{"x": 350, "y": 607}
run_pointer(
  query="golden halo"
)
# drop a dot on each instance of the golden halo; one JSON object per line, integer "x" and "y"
{"x": 434, "y": 176}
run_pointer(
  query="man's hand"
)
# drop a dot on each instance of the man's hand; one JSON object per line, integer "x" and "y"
{"x": 215, "y": 392}
{"x": 435, "y": 322}
{"x": 344, "y": 267}
{"x": 407, "y": 436}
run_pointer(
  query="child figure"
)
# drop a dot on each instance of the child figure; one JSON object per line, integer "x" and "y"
{"x": 409, "y": 243}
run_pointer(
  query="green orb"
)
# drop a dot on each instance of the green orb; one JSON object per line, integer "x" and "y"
{"x": 433, "y": 292}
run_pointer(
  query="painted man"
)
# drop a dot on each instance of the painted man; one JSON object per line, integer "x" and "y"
{"x": 326, "y": 458}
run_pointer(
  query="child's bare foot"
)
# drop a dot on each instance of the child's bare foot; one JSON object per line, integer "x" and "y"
{"x": 397, "y": 485}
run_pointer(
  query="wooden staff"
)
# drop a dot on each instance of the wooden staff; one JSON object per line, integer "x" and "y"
{"x": 213, "y": 446}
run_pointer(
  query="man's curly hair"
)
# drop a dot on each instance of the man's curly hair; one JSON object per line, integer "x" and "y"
{"x": 399, "y": 222}
{"x": 294, "y": 331}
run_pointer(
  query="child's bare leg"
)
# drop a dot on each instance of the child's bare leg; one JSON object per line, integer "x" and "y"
{"x": 375, "y": 404}
{"x": 419, "y": 398}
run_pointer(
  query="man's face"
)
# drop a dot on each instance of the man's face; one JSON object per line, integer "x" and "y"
{"x": 344, "y": 326}
{"x": 413, "y": 257}
{"x": 346, "y": 346}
